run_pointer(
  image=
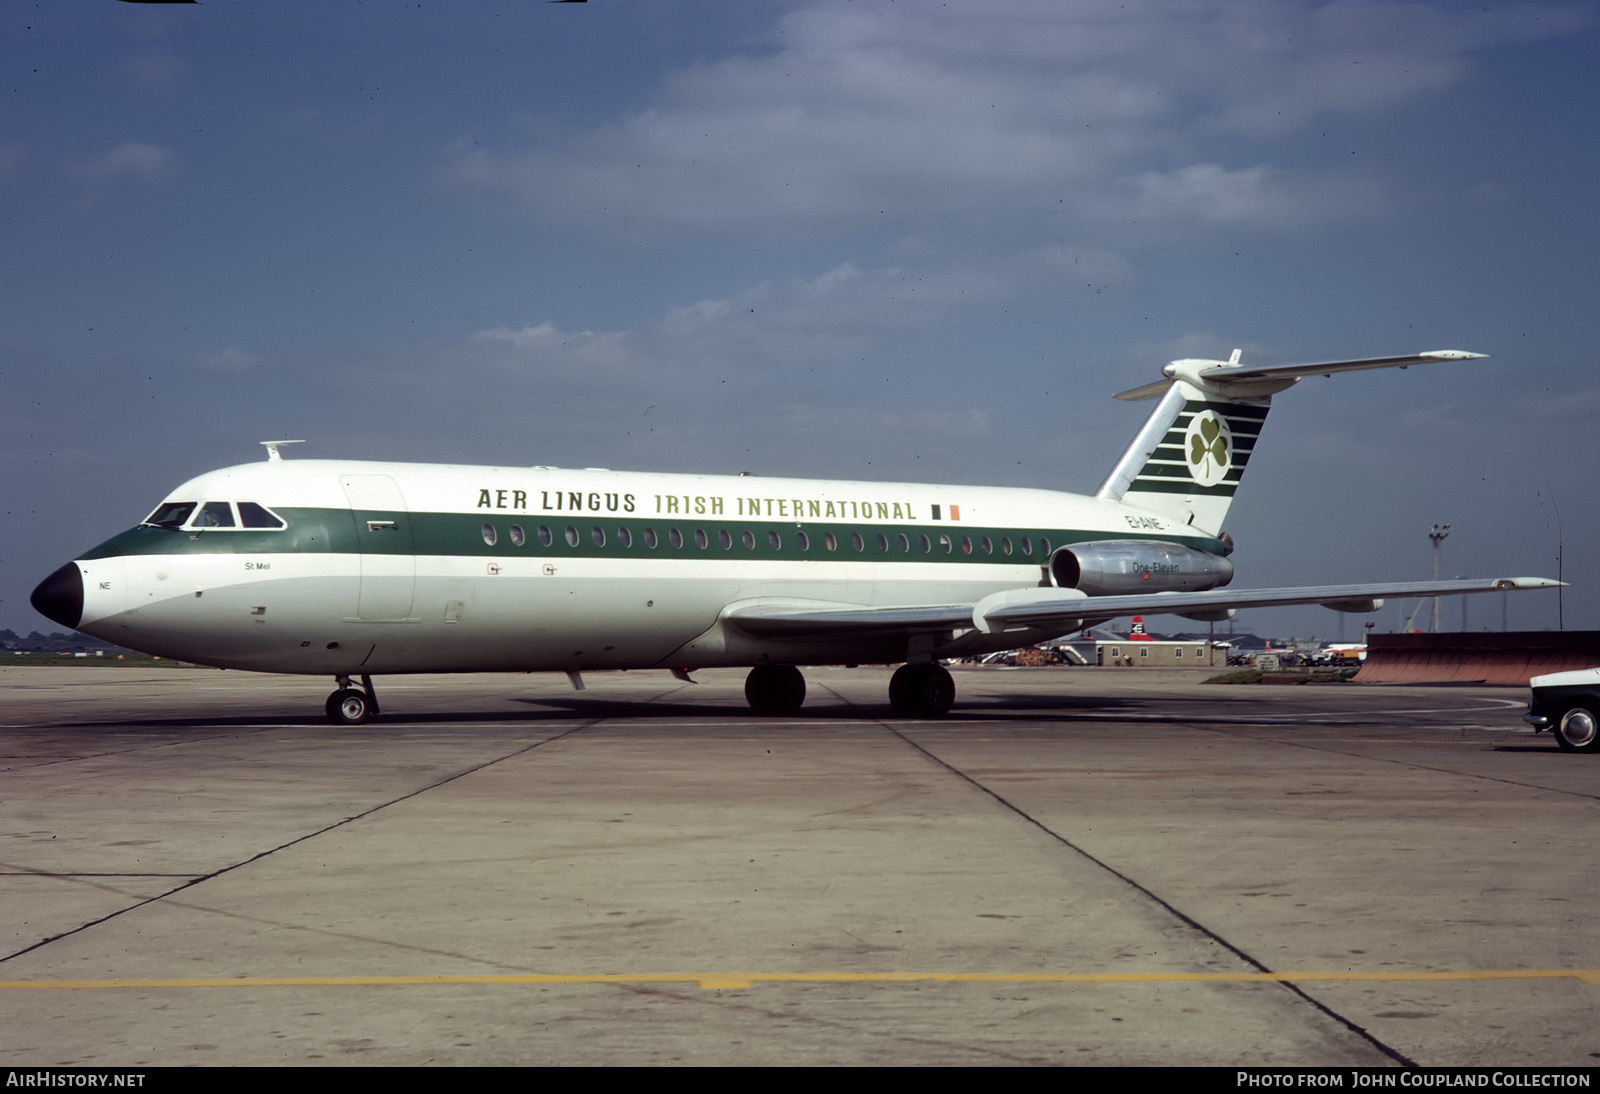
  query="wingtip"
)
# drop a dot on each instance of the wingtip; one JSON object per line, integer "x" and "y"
{"x": 1530, "y": 583}
{"x": 1453, "y": 355}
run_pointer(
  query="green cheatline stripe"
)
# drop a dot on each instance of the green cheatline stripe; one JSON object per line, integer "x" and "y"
{"x": 335, "y": 531}
{"x": 1164, "y": 486}
{"x": 715, "y": 980}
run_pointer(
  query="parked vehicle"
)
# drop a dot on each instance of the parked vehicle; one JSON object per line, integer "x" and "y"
{"x": 1567, "y": 704}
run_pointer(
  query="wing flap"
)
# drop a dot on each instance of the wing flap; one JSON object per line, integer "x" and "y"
{"x": 786, "y": 620}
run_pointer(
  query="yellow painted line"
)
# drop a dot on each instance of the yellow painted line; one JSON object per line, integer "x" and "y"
{"x": 715, "y": 980}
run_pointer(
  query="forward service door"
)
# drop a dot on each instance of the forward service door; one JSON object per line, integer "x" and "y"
{"x": 388, "y": 549}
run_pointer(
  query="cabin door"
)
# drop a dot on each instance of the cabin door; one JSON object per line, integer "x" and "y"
{"x": 388, "y": 551}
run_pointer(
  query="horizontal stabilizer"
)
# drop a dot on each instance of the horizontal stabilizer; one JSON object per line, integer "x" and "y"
{"x": 1225, "y": 375}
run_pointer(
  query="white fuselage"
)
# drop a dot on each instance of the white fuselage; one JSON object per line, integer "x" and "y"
{"x": 393, "y": 568}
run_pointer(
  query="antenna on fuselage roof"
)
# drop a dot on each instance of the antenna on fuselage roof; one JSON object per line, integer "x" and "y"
{"x": 273, "y": 455}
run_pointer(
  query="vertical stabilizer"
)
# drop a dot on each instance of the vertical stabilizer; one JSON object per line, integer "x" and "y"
{"x": 1188, "y": 459}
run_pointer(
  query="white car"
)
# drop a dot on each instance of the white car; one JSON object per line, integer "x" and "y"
{"x": 1568, "y": 704}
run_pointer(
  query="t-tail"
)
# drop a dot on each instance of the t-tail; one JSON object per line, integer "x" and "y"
{"x": 1187, "y": 461}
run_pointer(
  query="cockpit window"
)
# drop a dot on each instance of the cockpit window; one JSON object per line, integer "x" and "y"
{"x": 215, "y": 514}
{"x": 252, "y": 515}
{"x": 171, "y": 515}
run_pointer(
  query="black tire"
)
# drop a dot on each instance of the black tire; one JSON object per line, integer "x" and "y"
{"x": 922, "y": 691}
{"x": 1578, "y": 730}
{"x": 348, "y": 707}
{"x": 775, "y": 689}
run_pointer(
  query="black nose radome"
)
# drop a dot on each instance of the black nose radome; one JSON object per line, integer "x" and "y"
{"x": 59, "y": 597}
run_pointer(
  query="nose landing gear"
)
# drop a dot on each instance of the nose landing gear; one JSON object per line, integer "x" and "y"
{"x": 350, "y": 705}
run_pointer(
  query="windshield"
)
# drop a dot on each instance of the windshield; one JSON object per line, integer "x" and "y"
{"x": 215, "y": 514}
{"x": 252, "y": 515}
{"x": 172, "y": 514}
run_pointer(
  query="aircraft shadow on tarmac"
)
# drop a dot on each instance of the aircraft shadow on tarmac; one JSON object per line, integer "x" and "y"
{"x": 821, "y": 710}
{"x": 564, "y": 708}
{"x": 1216, "y": 711}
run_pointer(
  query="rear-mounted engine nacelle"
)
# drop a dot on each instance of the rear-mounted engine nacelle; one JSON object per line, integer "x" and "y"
{"x": 1111, "y": 567}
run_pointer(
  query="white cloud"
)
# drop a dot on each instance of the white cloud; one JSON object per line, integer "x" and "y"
{"x": 817, "y": 322}
{"x": 915, "y": 110}
{"x": 1258, "y": 196}
{"x": 790, "y": 375}
{"x": 131, "y": 160}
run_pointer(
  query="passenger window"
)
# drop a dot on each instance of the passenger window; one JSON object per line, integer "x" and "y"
{"x": 1005, "y": 545}
{"x": 171, "y": 515}
{"x": 489, "y": 535}
{"x": 598, "y": 534}
{"x": 215, "y": 514}
{"x": 775, "y": 541}
{"x": 986, "y": 545}
{"x": 650, "y": 538}
{"x": 944, "y": 543}
{"x": 905, "y": 544}
{"x": 749, "y": 539}
{"x": 252, "y": 515}
{"x": 883, "y": 543}
{"x": 966, "y": 545}
{"x": 1044, "y": 546}
{"x": 855, "y": 541}
{"x": 700, "y": 540}
{"x": 675, "y": 537}
{"x": 803, "y": 540}
{"x": 572, "y": 536}
{"x": 518, "y": 536}
{"x": 545, "y": 537}
{"x": 624, "y": 536}
{"x": 829, "y": 542}
{"x": 922, "y": 541}
{"x": 725, "y": 540}
{"x": 1027, "y": 545}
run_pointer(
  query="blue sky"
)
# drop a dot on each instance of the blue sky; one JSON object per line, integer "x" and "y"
{"x": 875, "y": 240}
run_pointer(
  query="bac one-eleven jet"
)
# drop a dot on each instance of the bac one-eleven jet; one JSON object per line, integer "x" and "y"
{"x": 358, "y": 569}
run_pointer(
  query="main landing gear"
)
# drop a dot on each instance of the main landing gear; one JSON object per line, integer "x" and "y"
{"x": 922, "y": 690}
{"x": 350, "y": 705}
{"x": 775, "y": 689}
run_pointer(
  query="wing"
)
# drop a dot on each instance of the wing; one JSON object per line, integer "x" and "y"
{"x": 1061, "y": 611}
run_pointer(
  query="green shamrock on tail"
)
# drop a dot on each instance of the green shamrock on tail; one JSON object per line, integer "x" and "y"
{"x": 1208, "y": 442}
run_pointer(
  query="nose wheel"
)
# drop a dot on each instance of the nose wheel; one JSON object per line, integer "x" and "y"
{"x": 351, "y": 705}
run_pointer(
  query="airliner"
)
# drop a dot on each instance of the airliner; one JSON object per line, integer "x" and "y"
{"x": 360, "y": 569}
